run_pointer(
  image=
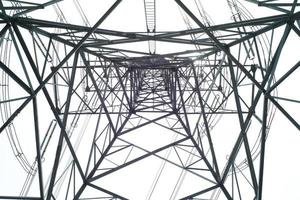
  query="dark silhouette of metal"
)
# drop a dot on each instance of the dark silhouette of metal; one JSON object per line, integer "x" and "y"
{"x": 86, "y": 78}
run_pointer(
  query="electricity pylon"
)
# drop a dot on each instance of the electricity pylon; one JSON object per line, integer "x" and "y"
{"x": 101, "y": 113}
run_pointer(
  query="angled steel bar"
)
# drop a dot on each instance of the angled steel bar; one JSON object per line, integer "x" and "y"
{"x": 15, "y": 78}
{"x": 262, "y": 151}
{"x": 205, "y": 120}
{"x": 93, "y": 171}
{"x": 266, "y": 79}
{"x": 146, "y": 123}
{"x": 40, "y": 6}
{"x": 138, "y": 159}
{"x": 277, "y": 54}
{"x": 88, "y": 69}
{"x": 200, "y": 193}
{"x": 4, "y": 30}
{"x": 45, "y": 81}
{"x": 283, "y": 111}
{"x": 241, "y": 121}
{"x": 3, "y": 10}
{"x": 123, "y": 88}
{"x": 211, "y": 169}
{"x": 64, "y": 122}
{"x": 86, "y": 36}
{"x": 268, "y": 6}
{"x": 163, "y": 36}
{"x": 171, "y": 162}
{"x": 106, "y": 191}
{"x": 38, "y": 147}
{"x": 146, "y": 38}
{"x": 53, "y": 108}
{"x": 21, "y": 198}
{"x": 284, "y": 77}
{"x": 224, "y": 48}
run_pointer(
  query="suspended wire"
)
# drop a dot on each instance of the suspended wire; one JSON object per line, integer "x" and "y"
{"x": 5, "y": 108}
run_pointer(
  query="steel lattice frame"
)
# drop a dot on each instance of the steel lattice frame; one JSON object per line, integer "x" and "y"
{"x": 58, "y": 76}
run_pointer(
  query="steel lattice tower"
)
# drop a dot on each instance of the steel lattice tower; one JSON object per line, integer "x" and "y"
{"x": 97, "y": 106}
